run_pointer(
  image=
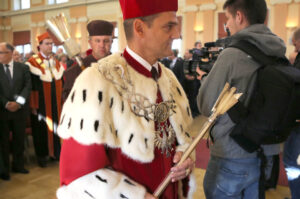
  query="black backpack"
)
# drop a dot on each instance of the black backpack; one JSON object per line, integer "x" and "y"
{"x": 274, "y": 105}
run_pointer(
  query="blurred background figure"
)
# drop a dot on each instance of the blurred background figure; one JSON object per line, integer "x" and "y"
{"x": 17, "y": 57}
{"x": 63, "y": 59}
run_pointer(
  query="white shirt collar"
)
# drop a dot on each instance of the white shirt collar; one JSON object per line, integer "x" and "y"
{"x": 10, "y": 64}
{"x": 142, "y": 61}
{"x": 44, "y": 55}
{"x": 10, "y": 67}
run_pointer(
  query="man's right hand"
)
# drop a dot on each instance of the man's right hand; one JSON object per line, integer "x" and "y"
{"x": 34, "y": 111}
{"x": 149, "y": 196}
{"x": 200, "y": 73}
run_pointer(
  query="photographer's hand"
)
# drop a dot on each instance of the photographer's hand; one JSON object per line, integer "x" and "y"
{"x": 189, "y": 77}
{"x": 201, "y": 73}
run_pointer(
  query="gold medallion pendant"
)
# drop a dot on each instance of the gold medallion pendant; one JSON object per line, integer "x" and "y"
{"x": 161, "y": 112}
{"x": 142, "y": 107}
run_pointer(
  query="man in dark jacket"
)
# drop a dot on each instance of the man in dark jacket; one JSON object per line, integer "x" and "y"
{"x": 291, "y": 157}
{"x": 15, "y": 87}
{"x": 100, "y": 40}
{"x": 296, "y": 43}
{"x": 232, "y": 172}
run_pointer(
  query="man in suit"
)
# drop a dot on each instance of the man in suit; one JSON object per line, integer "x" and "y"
{"x": 15, "y": 86}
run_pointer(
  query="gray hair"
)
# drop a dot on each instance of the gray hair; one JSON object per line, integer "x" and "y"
{"x": 296, "y": 34}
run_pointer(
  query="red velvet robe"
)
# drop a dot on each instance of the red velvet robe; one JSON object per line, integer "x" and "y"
{"x": 78, "y": 160}
{"x": 41, "y": 100}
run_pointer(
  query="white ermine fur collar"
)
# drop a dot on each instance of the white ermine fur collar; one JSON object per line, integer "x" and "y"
{"x": 95, "y": 112}
{"x": 50, "y": 72}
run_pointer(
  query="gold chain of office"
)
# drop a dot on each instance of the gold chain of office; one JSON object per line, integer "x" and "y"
{"x": 142, "y": 107}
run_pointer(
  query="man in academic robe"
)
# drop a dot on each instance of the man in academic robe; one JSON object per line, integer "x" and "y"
{"x": 125, "y": 122}
{"x": 100, "y": 40}
{"x": 45, "y": 99}
{"x": 15, "y": 87}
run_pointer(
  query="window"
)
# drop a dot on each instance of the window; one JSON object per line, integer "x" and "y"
{"x": 54, "y": 48}
{"x": 115, "y": 44}
{"x": 23, "y": 49}
{"x": 177, "y": 45}
{"x": 57, "y": 1}
{"x": 21, "y": 4}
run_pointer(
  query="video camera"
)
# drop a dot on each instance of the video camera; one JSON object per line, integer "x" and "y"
{"x": 205, "y": 57}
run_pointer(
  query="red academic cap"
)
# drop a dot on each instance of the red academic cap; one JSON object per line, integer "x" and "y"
{"x": 43, "y": 36}
{"x": 142, "y": 8}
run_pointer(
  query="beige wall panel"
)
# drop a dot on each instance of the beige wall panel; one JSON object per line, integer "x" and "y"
{"x": 4, "y": 5}
{"x": 97, "y": 10}
{"x": 110, "y": 17}
{"x": 188, "y": 33}
{"x": 79, "y": 11}
{"x": 53, "y": 13}
{"x": 84, "y": 36}
{"x": 7, "y": 21}
{"x": 293, "y": 15}
{"x": 280, "y": 17}
{"x": 298, "y": 14}
{"x": 8, "y": 36}
{"x": 121, "y": 37}
{"x": 208, "y": 26}
{"x": 21, "y": 27}
{"x": 74, "y": 31}
{"x": 37, "y": 17}
{"x": 33, "y": 35}
{"x": 198, "y": 2}
{"x": 35, "y": 3}
{"x": 21, "y": 22}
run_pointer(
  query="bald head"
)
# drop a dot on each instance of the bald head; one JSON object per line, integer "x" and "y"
{"x": 6, "y": 52}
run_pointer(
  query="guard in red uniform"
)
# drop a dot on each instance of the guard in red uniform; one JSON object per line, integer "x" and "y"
{"x": 45, "y": 101}
{"x": 125, "y": 121}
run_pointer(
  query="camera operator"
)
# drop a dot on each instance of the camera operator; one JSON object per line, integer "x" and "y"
{"x": 232, "y": 172}
{"x": 175, "y": 63}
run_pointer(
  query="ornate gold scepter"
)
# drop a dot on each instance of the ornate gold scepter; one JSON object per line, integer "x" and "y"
{"x": 225, "y": 101}
{"x": 59, "y": 27}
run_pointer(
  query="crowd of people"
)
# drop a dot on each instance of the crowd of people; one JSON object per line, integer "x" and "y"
{"x": 118, "y": 123}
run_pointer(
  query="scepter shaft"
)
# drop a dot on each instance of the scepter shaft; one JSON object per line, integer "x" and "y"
{"x": 186, "y": 154}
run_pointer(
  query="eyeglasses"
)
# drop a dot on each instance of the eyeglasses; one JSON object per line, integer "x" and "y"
{"x": 4, "y": 52}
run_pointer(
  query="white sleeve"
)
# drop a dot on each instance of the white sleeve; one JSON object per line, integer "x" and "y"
{"x": 104, "y": 184}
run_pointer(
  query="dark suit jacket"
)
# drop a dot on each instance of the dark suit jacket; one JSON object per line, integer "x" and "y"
{"x": 297, "y": 61}
{"x": 21, "y": 87}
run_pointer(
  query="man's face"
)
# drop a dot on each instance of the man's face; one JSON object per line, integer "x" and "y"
{"x": 231, "y": 23}
{"x": 5, "y": 54}
{"x": 46, "y": 46}
{"x": 199, "y": 45}
{"x": 16, "y": 56}
{"x": 101, "y": 45}
{"x": 158, "y": 38}
{"x": 296, "y": 43}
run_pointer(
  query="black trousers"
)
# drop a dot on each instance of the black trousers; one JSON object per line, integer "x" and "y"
{"x": 17, "y": 127}
{"x": 40, "y": 136}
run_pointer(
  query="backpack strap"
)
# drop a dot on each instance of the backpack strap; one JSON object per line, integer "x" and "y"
{"x": 254, "y": 52}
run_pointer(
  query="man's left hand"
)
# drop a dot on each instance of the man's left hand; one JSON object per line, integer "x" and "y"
{"x": 183, "y": 170}
{"x": 13, "y": 106}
